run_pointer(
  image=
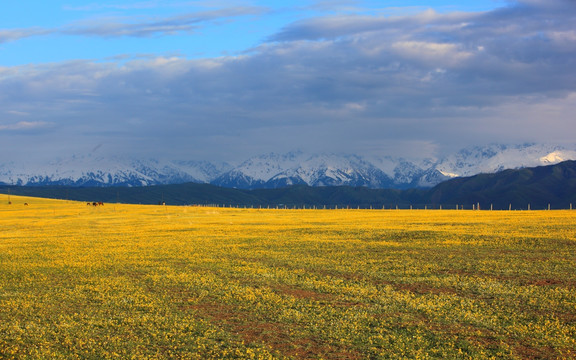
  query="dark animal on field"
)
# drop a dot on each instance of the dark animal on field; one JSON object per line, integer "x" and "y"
{"x": 94, "y": 204}
{"x": 88, "y": 204}
{"x": 25, "y": 204}
{"x": 100, "y": 203}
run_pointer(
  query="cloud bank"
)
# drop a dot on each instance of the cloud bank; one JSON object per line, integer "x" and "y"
{"x": 373, "y": 85}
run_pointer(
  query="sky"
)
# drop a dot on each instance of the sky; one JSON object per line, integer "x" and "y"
{"x": 226, "y": 80}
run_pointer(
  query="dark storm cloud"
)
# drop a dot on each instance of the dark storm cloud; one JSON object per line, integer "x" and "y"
{"x": 350, "y": 83}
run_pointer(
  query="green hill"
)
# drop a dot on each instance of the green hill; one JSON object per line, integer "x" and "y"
{"x": 537, "y": 187}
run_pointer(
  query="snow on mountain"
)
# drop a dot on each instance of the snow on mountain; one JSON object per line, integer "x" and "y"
{"x": 94, "y": 171}
{"x": 279, "y": 170}
{"x": 410, "y": 173}
{"x": 556, "y": 157}
{"x": 259, "y": 169}
{"x": 494, "y": 158}
{"x": 202, "y": 171}
{"x": 329, "y": 170}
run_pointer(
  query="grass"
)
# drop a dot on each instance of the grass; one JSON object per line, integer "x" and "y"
{"x": 152, "y": 282}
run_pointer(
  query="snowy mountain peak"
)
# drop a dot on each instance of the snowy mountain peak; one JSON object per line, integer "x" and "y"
{"x": 494, "y": 158}
{"x": 557, "y": 156}
{"x": 92, "y": 170}
{"x": 277, "y": 170}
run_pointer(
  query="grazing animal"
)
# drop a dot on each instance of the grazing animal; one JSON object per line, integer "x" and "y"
{"x": 25, "y": 204}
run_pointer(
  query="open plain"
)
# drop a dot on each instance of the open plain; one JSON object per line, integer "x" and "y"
{"x": 152, "y": 282}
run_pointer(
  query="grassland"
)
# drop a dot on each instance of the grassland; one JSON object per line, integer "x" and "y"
{"x": 151, "y": 282}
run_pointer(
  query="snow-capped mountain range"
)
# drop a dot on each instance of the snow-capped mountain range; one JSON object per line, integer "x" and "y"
{"x": 279, "y": 170}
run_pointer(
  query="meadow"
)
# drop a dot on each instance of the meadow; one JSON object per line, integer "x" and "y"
{"x": 166, "y": 282}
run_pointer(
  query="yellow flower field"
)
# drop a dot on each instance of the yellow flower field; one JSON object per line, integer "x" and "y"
{"x": 162, "y": 282}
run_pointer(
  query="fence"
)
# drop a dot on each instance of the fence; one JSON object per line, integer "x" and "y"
{"x": 474, "y": 207}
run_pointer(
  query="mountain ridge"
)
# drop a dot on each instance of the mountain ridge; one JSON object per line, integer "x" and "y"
{"x": 541, "y": 187}
{"x": 537, "y": 187}
{"x": 280, "y": 170}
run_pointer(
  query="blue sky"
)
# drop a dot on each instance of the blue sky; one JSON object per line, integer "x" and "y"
{"x": 223, "y": 80}
{"x": 99, "y": 31}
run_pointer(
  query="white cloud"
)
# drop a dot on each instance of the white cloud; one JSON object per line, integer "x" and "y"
{"x": 357, "y": 82}
{"x": 135, "y": 26}
{"x": 563, "y": 37}
{"x": 9, "y": 35}
{"x": 433, "y": 53}
{"x": 25, "y": 125}
{"x": 143, "y": 27}
{"x": 100, "y": 6}
{"x": 16, "y": 112}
